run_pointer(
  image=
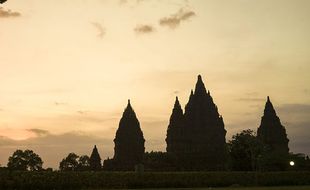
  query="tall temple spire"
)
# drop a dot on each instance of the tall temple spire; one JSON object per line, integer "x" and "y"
{"x": 177, "y": 112}
{"x": 273, "y": 135}
{"x": 200, "y": 87}
{"x": 128, "y": 136}
{"x": 95, "y": 160}
{"x": 269, "y": 110}
{"x": 197, "y": 136}
{"x": 177, "y": 103}
{"x": 175, "y": 127}
{"x": 128, "y": 110}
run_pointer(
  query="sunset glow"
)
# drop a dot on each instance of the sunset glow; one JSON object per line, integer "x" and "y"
{"x": 67, "y": 68}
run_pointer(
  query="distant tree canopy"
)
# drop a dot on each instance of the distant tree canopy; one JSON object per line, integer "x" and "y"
{"x": 25, "y": 161}
{"x": 245, "y": 151}
{"x": 2, "y": 1}
{"x": 84, "y": 163}
{"x": 159, "y": 161}
{"x": 73, "y": 162}
{"x": 70, "y": 163}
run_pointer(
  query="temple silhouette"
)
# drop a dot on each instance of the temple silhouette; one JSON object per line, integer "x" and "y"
{"x": 272, "y": 134}
{"x": 197, "y": 136}
{"x": 195, "y": 139}
{"x": 129, "y": 143}
{"x": 95, "y": 160}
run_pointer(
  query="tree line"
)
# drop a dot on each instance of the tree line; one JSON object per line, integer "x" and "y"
{"x": 245, "y": 153}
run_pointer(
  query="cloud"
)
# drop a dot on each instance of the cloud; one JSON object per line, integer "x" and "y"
{"x": 81, "y": 112}
{"x": 298, "y": 134}
{"x": 295, "y": 118}
{"x": 251, "y": 99}
{"x": 295, "y": 115}
{"x": 296, "y": 108}
{"x": 60, "y": 103}
{"x": 122, "y": 2}
{"x": 100, "y": 28}
{"x": 53, "y": 147}
{"x": 88, "y": 117}
{"x": 8, "y": 13}
{"x": 176, "y": 92}
{"x": 174, "y": 20}
{"x": 4, "y": 141}
{"x": 144, "y": 29}
{"x": 39, "y": 132}
{"x": 135, "y": 2}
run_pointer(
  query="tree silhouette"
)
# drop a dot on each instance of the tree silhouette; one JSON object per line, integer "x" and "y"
{"x": 84, "y": 163}
{"x": 70, "y": 163}
{"x": 2, "y": 1}
{"x": 245, "y": 151}
{"x": 25, "y": 161}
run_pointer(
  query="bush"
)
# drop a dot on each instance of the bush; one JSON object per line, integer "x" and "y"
{"x": 92, "y": 180}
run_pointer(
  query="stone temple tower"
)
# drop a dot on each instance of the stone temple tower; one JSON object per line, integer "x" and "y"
{"x": 272, "y": 134}
{"x": 197, "y": 138}
{"x": 95, "y": 160}
{"x": 175, "y": 132}
{"x": 129, "y": 141}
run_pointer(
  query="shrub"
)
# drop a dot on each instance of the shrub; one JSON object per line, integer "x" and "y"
{"x": 94, "y": 180}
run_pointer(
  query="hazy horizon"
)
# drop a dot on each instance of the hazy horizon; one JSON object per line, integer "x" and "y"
{"x": 67, "y": 69}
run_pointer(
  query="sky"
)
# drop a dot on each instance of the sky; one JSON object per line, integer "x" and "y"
{"x": 67, "y": 69}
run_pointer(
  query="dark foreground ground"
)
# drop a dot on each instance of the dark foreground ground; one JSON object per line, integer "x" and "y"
{"x": 154, "y": 180}
{"x": 243, "y": 188}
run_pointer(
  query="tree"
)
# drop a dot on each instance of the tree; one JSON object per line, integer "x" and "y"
{"x": 245, "y": 151}
{"x": 70, "y": 163}
{"x": 25, "y": 161}
{"x": 2, "y": 1}
{"x": 84, "y": 163}
{"x": 73, "y": 162}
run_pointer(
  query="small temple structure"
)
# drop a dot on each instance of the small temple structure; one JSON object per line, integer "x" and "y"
{"x": 95, "y": 160}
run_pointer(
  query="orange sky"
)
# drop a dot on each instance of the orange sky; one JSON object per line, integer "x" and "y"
{"x": 67, "y": 68}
